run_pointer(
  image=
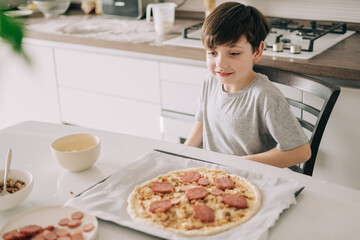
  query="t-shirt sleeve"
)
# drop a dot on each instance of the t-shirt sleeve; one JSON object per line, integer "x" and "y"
{"x": 284, "y": 126}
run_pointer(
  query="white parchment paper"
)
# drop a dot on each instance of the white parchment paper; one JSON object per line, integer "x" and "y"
{"x": 108, "y": 200}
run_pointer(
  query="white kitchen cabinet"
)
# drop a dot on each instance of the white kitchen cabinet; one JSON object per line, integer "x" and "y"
{"x": 109, "y": 92}
{"x": 27, "y": 92}
{"x": 177, "y": 97}
{"x": 182, "y": 73}
{"x": 180, "y": 89}
{"x": 175, "y": 129}
{"x": 109, "y": 74}
{"x": 110, "y": 113}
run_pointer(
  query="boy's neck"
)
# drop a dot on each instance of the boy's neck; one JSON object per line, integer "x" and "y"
{"x": 241, "y": 85}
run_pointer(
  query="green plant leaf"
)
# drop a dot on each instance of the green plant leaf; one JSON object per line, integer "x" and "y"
{"x": 11, "y": 32}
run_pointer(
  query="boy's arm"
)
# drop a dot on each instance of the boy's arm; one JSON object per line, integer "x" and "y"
{"x": 283, "y": 159}
{"x": 196, "y": 135}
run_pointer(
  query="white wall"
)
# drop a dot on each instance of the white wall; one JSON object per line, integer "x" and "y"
{"x": 332, "y": 10}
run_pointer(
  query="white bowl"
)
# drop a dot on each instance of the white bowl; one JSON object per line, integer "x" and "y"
{"x": 52, "y": 8}
{"x": 13, "y": 199}
{"x": 76, "y": 152}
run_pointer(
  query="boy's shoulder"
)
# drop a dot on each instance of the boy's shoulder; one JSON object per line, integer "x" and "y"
{"x": 262, "y": 84}
{"x": 261, "y": 80}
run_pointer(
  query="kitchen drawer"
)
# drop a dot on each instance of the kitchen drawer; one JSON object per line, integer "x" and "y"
{"x": 182, "y": 73}
{"x": 175, "y": 130}
{"x": 179, "y": 97}
{"x": 110, "y": 113}
{"x": 109, "y": 74}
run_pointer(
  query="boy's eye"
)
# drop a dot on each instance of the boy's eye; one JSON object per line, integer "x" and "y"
{"x": 211, "y": 53}
{"x": 234, "y": 54}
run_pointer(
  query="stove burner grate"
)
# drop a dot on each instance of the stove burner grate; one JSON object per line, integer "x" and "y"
{"x": 186, "y": 31}
{"x": 310, "y": 34}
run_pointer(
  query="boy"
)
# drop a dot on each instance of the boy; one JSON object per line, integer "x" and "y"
{"x": 241, "y": 112}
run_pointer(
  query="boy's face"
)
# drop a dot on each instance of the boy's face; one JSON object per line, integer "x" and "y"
{"x": 232, "y": 64}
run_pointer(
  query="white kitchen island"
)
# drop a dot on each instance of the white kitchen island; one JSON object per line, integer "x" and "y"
{"x": 324, "y": 210}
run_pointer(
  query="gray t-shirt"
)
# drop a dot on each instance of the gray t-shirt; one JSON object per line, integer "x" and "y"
{"x": 253, "y": 120}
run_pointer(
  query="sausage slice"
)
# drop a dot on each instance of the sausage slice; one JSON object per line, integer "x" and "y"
{"x": 14, "y": 234}
{"x": 77, "y": 236}
{"x": 224, "y": 183}
{"x": 64, "y": 221}
{"x": 49, "y": 235}
{"x": 235, "y": 200}
{"x": 30, "y": 229}
{"x": 159, "y": 206}
{"x": 196, "y": 193}
{"x": 216, "y": 192}
{"x": 162, "y": 187}
{"x": 38, "y": 236}
{"x": 203, "y": 212}
{"x": 190, "y": 177}
{"x": 77, "y": 215}
{"x": 74, "y": 223}
{"x": 203, "y": 181}
{"x": 88, "y": 227}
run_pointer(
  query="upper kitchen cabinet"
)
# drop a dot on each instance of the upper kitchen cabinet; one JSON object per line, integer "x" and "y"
{"x": 109, "y": 92}
{"x": 27, "y": 92}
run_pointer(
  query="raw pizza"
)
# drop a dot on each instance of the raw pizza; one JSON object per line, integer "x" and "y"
{"x": 194, "y": 202}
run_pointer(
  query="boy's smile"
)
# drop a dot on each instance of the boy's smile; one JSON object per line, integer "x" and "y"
{"x": 223, "y": 74}
{"x": 232, "y": 64}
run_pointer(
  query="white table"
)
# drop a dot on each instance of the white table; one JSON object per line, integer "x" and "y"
{"x": 324, "y": 210}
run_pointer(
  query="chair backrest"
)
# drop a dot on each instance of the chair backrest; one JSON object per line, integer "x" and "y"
{"x": 313, "y": 119}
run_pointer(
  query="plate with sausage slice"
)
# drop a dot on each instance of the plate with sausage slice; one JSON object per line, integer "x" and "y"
{"x": 51, "y": 222}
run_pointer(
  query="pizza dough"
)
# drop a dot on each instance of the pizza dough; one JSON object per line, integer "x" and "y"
{"x": 194, "y": 202}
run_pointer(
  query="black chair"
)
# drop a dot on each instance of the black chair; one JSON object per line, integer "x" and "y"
{"x": 329, "y": 93}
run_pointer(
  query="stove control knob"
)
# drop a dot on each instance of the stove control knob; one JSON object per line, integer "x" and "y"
{"x": 295, "y": 49}
{"x": 278, "y": 47}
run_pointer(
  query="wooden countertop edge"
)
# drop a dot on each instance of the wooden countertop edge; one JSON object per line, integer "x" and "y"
{"x": 313, "y": 69}
{"x": 313, "y": 66}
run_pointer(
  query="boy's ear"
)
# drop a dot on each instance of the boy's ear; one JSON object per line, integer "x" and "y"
{"x": 258, "y": 52}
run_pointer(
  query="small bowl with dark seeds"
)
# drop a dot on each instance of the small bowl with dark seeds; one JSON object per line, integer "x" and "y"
{"x": 19, "y": 185}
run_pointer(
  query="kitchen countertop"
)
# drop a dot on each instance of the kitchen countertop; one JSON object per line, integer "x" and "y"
{"x": 341, "y": 61}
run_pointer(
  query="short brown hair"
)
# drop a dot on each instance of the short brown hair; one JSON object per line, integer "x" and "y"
{"x": 232, "y": 20}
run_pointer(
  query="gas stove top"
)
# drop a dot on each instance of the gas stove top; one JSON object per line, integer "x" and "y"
{"x": 287, "y": 38}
